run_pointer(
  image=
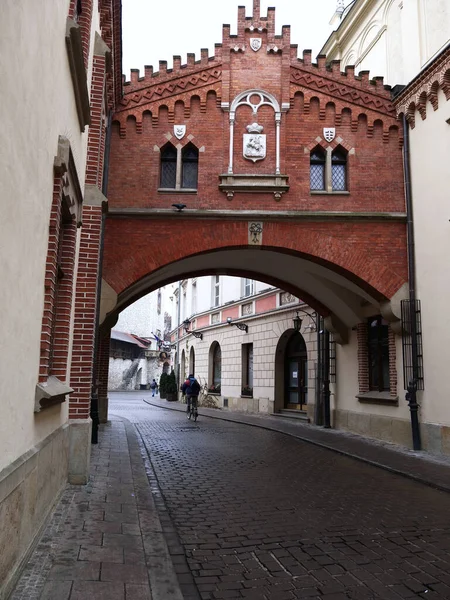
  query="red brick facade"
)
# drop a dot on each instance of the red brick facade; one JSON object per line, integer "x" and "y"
{"x": 310, "y": 97}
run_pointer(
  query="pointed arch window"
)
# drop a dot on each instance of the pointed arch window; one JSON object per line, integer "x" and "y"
{"x": 189, "y": 170}
{"x": 328, "y": 170}
{"x": 339, "y": 170}
{"x": 179, "y": 168}
{"x": 317, "y": 169}
{"x": 168, "y": 166}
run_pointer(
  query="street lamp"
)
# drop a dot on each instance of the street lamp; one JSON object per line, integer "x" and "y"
{"x": 298, "y": 321}
{"x": 197, "y": 334}
{"x": 241, "y": 326}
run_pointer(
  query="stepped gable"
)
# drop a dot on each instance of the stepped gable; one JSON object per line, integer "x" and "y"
{"x": 197, "y": 78}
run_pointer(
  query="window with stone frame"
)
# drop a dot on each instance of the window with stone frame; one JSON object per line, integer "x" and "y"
{"x": 179, "y": 167}
{"x": 247, "y": 370}
{"x": 378, "y": 354}
{"x": 329, "y": 170}
{"x": 168, "y": 166}
{"x": 65, "y": 217}
{"x": 189, "y": 167}
{"x": 377, "y": 370}
{"x": 317, "y": 169}
{"x": 215, "y": 368}
{"x": 339, "y": 170}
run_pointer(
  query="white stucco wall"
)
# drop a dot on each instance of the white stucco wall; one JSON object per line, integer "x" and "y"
{"x": 391, "y": 39}
{"x": 36, "y": 106}
{"x": 430, "y": 163}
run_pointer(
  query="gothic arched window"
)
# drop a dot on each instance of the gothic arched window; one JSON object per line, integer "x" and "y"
{"x": 189, "y": 167}
{"x": 168, "y": 166}
{"x": 317, "y": 169}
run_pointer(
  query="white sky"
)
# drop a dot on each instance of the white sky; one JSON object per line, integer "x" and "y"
{"x": 154, "y": 31}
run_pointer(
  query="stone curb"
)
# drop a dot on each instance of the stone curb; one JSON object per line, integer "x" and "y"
{"x": 247, "y": 420}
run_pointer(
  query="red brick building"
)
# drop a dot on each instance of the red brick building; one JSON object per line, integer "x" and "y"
{"x": 284, "y": 170}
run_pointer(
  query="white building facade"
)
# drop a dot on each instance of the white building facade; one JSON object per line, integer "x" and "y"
{"x": 408, "y": 43}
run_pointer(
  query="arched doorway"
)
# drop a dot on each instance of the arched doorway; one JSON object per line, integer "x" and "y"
{"x": 183, "y": 366}
{"x": 192, "y": 361}
{"x": 296, "y": 373}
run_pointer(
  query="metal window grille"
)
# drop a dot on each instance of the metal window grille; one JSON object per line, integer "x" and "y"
{"x": 338, "y": 171}
{"x": 332, "y": 359}
{"x": 168, "y": 167}
{"x": 189, "y": 162}
{"x": 412, "y": 344}
{"x": 317, "y": 170}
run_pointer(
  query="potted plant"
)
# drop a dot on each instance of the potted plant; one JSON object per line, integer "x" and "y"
{"x": 247, "y": 391}
{"x": 171, "y": 387}
{"x": 162, "y": 385}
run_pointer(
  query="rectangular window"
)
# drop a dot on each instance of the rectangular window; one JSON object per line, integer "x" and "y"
{"x": 248, "y": 287}
{"x": 247, "y": 370}
{"x": 194, "y": 298}
{"x": 378, "y": 347}
{"x": 216, "y": 290}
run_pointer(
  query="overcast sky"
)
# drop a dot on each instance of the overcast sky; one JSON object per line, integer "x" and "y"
{"x": 154, "y": 31}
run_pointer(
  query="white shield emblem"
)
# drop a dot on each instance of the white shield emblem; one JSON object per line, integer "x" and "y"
{"x": 329, "y": 133}
{"x": 179, "y": 131}
{"x": 254, "y": 146}
{"x": 255, "y": 44}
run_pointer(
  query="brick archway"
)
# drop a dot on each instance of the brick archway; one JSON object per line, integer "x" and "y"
{"x": 370, "y": 256}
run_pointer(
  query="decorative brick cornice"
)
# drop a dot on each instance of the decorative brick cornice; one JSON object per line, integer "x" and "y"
{"x": 171, "y": 87}
{"x": 360, "y": 94}
{"x": 414, "y": 98}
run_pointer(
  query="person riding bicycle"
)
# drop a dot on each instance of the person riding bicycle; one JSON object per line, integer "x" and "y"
{"x": 191, "y": 388}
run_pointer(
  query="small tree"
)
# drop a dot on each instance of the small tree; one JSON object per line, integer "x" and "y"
{"x": 163, "y": 385}
{"x": 171, "y": 386}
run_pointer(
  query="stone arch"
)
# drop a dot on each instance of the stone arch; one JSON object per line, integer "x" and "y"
{"x": 279, "y": 371}
{"x": 192, "y": 360}
{"x": 214, "y": 365}
{"x": 183, "y": 374}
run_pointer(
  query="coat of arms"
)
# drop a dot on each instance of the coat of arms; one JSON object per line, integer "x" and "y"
{"x": 179, "y": 131}
{"x": 254, "y": 143}
{"x": 255, "y": 44}
{"x": 329, "y": 133}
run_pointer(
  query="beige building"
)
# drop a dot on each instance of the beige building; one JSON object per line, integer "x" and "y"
{"x": 47, "y": 53}
{"x": 408, "y": 43}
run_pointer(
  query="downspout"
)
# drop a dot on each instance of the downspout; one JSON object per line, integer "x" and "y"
{"x": 94, "y": 393}
{"x": 411, "y": 395}
{"x": 177, "y": 366}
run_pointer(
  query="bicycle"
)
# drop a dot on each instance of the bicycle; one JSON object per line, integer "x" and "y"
{"x": 192, "y": 408}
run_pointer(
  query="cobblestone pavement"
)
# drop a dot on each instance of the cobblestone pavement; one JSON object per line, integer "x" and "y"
{"x": 265, "y": 516}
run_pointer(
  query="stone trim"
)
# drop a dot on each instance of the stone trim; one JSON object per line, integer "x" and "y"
{"x": 253, "y": 184}
{"x": 373, "y": 397}
{"x": 74, "y": 44}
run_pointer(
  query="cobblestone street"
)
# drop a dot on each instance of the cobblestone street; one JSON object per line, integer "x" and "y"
{"x": 261, "y": 515}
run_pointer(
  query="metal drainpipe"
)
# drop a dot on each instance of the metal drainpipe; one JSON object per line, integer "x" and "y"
{"x": 94, "y": 394}
{"x": 177, "y": 366}
{"x": 411, "y": 395}
{"x": 318, "y": 413}
{"x": 326, "y": 379}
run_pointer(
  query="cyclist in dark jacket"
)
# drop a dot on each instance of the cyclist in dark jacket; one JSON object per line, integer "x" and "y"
{"x": 190, "y": 388}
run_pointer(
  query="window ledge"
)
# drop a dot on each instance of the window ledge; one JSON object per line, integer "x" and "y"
{"x": 246, "y": 396}
{"x": 50, "y": 392}
{"x": 214, "y": 393}
{"x": 325, "y": 193}
{"x": 175, "y": 191}
{"x": 378, "y": 398}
